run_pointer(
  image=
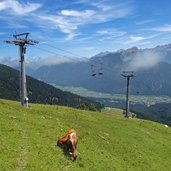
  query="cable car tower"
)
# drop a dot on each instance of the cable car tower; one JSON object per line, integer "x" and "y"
{"x": 22, "y": 41}
{"x": 127, "y": 75}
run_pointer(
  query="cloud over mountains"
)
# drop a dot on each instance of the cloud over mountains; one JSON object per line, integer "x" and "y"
{"x": 145, "y": 60}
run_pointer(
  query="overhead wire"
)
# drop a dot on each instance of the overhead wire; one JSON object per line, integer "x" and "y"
{"x": 45, "y": 50}
{"x": 54, "y": 47}
{"x": 52, "y": 52}
{"x": 66, "y": 51}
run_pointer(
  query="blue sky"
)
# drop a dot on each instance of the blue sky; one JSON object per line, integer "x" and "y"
{"x": 83, "y": 28}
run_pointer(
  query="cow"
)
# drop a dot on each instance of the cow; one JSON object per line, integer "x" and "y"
{"x": 69, "y": 143}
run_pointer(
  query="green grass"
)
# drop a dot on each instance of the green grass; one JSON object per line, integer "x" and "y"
{"x": 107, "y": 140}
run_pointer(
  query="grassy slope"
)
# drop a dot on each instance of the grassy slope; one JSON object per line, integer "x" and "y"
{"x": 106, "y": 142}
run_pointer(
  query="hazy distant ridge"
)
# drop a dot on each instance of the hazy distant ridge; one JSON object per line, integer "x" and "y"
{"x": 152, "y": 70}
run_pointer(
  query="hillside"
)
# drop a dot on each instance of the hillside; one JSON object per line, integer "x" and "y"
{"x": 106, "y": 141}
{"x": 152, "y": 71}
{"x": 40, "y": 92}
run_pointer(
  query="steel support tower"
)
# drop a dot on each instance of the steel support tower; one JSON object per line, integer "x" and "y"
{"x": 127, "y": 75}
{"x": 22, "y": 41}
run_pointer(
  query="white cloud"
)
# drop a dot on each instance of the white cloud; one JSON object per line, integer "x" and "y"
{"x": 134, "y": 39}
{"x": 69, "y": 21}
{"x": 71, "y": 36}
{"x": 145, "y": 60}
{"x": 3, "y": 5}
{"x": 18, "y": 8}
{"x": 55, "y": 60}
{"x": 110, "y": 34}
{"x": 115, "y": 11}
{"x": 113, "y": 33}
{"x": 9, "y": 61}
{"x": 102, "y": 6}
{"x": 144, "y": 22}
{"x": 164, "y": 28}
{"x": 17, "y": 25}
{"x": 75, "y": 13}
{"x": 35, "y": 63}
{"x": 65, "y": 25}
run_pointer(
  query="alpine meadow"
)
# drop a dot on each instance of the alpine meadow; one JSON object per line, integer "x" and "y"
{"x": 107, "y": 141}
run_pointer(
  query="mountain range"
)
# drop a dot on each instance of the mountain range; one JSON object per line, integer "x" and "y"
{"x": 102, "y": 73}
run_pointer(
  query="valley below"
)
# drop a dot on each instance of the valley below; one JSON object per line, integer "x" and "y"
{"x": 155, "y": 108}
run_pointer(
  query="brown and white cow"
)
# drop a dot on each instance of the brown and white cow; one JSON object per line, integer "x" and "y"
{"x": 69, "y": 143}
